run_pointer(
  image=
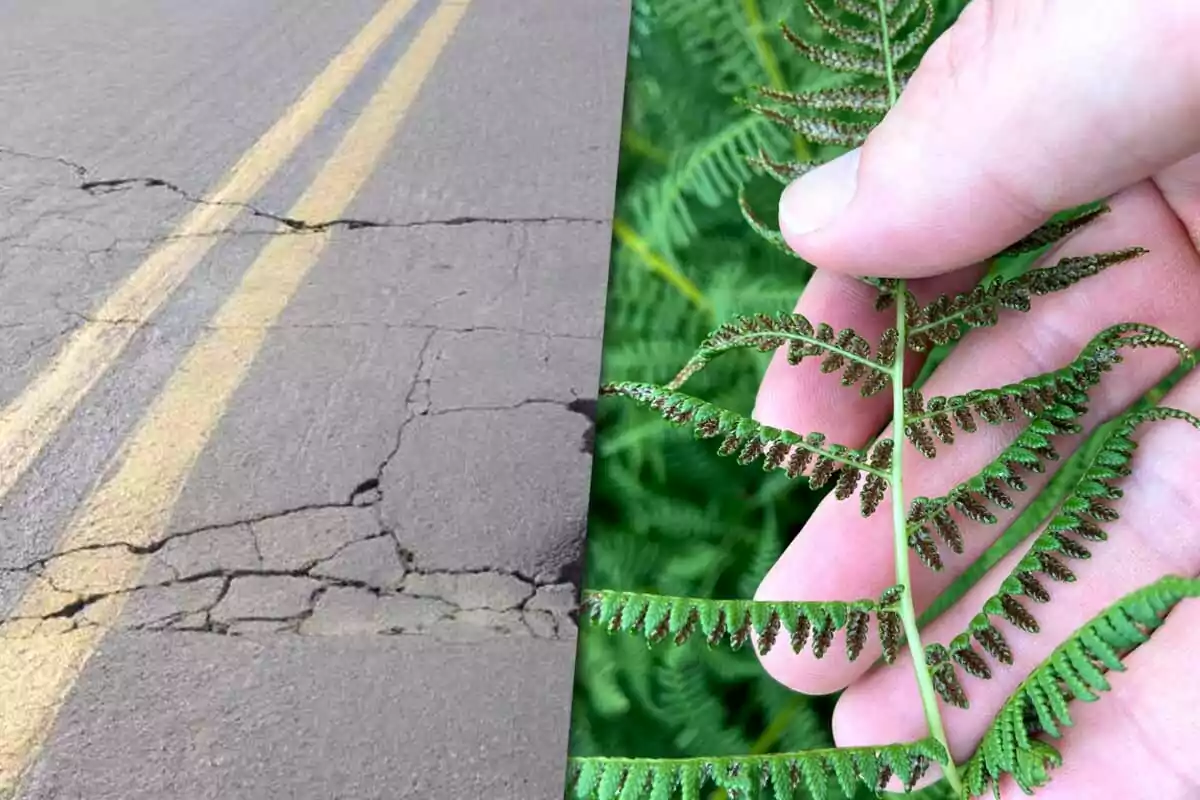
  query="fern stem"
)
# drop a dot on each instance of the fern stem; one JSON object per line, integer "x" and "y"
{"x": 908, "y": 612}
{"x": 659, "y": 265}
{"x": 702, "y": 359}
{"x": 889, "y": 67}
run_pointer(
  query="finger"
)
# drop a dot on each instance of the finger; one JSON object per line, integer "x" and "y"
{"x": 800, "y": 398}
{"x": 1180, "y": 187}
{"x": 1154, "y": 536}
{"x": 841, "y": 556}
{"x": 1016, "y": 112}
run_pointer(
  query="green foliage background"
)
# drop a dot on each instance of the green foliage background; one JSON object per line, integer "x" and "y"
{"x": 666, "y": 515}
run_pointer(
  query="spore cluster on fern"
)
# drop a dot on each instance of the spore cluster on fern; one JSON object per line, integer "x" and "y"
{"x": 877, "y": 43}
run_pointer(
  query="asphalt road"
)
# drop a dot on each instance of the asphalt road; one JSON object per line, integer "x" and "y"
{"x": 299, "y": 341}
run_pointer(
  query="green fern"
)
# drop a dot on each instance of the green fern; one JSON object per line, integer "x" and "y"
{"x": 749, "y": 441}
{"x": 708, "y": 173}
{"x": 871, "y": 49}
{"x": 724, "y": 39}
{"x": 1079, "y": 521}
{"x": 787, "y": 774}
{"x": 1074, "y": 671}
{"x": 678, "y": 619}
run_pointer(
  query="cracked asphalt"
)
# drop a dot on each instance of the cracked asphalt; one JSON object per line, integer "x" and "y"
{"x": 365, "y": 584}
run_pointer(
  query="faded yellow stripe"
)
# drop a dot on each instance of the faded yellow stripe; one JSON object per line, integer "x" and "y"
{"x": 31, "y": 420}
{"x": 40, "y": 659}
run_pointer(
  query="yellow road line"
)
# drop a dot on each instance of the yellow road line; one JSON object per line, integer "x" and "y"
{"x": 32, "y": 419}
{"x": 40, "y": 659}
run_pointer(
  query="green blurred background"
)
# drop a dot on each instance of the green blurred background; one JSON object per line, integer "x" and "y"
{"x": 667, "y": 515}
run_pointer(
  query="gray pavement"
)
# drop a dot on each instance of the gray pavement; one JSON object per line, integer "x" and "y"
{"x": 365, "y": 589}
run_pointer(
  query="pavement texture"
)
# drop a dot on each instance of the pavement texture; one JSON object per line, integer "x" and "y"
{"x": 365, "y": 587}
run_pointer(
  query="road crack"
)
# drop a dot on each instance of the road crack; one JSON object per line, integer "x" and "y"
{"x": 295, "y": 225}
{"x": 11, "y": 152}
{"x": 364, "y": 584}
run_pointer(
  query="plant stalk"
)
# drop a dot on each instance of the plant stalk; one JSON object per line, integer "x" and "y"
{"x": 658, "y": 265}
{"x": 908, "y": 612}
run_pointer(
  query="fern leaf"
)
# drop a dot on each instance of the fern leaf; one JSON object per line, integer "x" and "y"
{"x": 819, "y": 130}
{"x": 919, "y": 37}
{"x": 773, "y": 237}
{"x": 783, "y": 171}
{"x": 685, "y": 701}
{"x": 901, "y": 17}
{"x": 843, "y": 351}
{"x": 716, "y": 38}
{"x": 1057, "y": 229}
{"x": 945, "y": 318}
{"x": 1075, "y": 670}
{"x": 660, "y": 618}
{"x": 1036, "y": 396}
{"x": 1062, "y": 396}
{"x": 836, "y": 60}
{"x": 797, "y": 455}
{"x": 807, "y": 773}
{"x": 945, "y": 680}
{"x": 710, "y": 172}
{"x": 865, "y": 10}
{"x": 1080, "y": 520}
{"x": 869, "y": 38}
{"x": 855, "y": 99}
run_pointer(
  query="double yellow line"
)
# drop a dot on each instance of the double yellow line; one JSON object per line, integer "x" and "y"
{"x": 40, "y": 657}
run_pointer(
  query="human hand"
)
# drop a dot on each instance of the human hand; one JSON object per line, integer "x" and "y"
{"x": 1024, "y": 108}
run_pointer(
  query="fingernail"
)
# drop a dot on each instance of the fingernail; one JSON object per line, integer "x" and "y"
{"x": 815, "y": 200}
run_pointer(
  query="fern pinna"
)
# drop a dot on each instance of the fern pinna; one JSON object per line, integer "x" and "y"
{"x": 879, "y": 42}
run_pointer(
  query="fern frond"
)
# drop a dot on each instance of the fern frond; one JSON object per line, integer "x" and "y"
{"x": 1034, "y": 396}
{"x": 686, "y": 698}
{"x": 772, "y": 236}
{"x": 919, "y": 36}
{"x": 867, "y": 11}
{"x": 716, "y": 38}
{"x": 803, "y": 774}
{"x": 1080, "y": 520}
{"x": 819, "y": 130}
{"x": 710, "y": 173}
{"x": 1057, "y": 229}
{"x": 1063, "y": 398}
{"x": 902, "y": 16}
{"x": 869, "y": 100}
{"x": 660, "y": 618}
{"x": 1074, "y": 671}
{"x": 945, "y": 679}
{"x": 945, "y": 318}
{"x": 870, "y": 38}
{"x": 797, "y": 455}
{"x": 874, "y": 63}
{"x": 807, "y": 113}
{"x": 783, "y": 171}
{"x": 836, "y": 60}
{"x": 843, "y": 350}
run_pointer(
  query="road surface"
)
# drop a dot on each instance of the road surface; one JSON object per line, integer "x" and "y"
{"x": 299, "y": 345}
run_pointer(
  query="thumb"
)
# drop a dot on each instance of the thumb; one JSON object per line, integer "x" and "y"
{"x": 1023, "y": 108}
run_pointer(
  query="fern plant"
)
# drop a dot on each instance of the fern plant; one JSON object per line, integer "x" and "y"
{"x": 877, "y": 45}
